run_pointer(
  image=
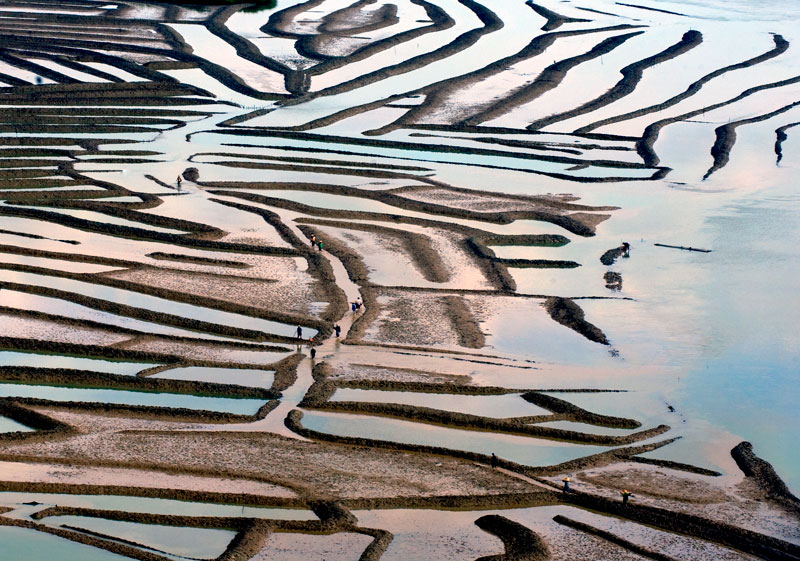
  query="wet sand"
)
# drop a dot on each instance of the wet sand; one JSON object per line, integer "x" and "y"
{"x": 404, "y": 173}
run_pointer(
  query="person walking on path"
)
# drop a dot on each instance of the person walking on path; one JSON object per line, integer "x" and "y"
{"x": 320, "y": 245}
{"x": 495, "y": 461}
{"x": 566, "y": 481}
{"x": 338, "y": 330}
{"x": 625, "y": 496}
{"x": 299, "y": 332}
{"x": 313, "y": 353}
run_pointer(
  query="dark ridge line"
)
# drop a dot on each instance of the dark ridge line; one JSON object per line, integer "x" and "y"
{"x": 293, "y": 422}
{"x": 341, "y": 163}
{"x": 559, "y": 406}
{"x": 613, "y": 538}
{"x": 116, "y": 548}
{"x": 439, "y": 18}
{"x": 284, "y": 17}
{"x": 8, "y": 58}
{"x": 165, "y": 294}
{"x": 117, "y": 540}
{"x": 564, "y": 221}
{"x": 134, "y": 332}
{"x": 489, "y": 292}
{"x": 554, "y": 20}
{"x": 644, "y": 146}
{"x": 36, "y": 237}
{"x": 384, "y": 16}
{"x": 64, "y": 61}
{"x": 248, "y": 158}
{"x": 526, "y": 426}
{"x": 520, "y": 542}
{"x": 780, "y": 137}
{"x": 550, "y": 78}
{"x": 569, "y": 314}
{"x": 140, "y": 233}
{"x": 90, "y": 379}
{"x": 220, "y": 73}
{"x": 603, "y": 13}
{"x": 314, "y": 43}
{"x": 726, "y": 137}
{"x": 144, "y": 314}
{"x": 490, "y": 21}
{"x": 375, "y": 169}
{"x": 651, "y": 9}
{"x": 434, "y": 92}
{"x": 551, "y": 146}
{"x": 482, "y": 129}
{"x": 13, "y": 80}
{"x": 676, "y": 466}
{"x": 723, "y": 533}
{"x": 631, "y": 76}
{"x": 658, "y": 172}
{"x": 764, "y": 475}
{"x": 781, "y": 45}
{"x": 68, "y": 48}
{"x": 244, "y": 48}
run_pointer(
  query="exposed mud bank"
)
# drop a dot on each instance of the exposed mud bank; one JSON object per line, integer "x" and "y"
{"x": 520, "y": 542}
{"x": 42, "y": 424}
{"x": 293, "y": 422}
{"x": 99, "y": 380}
{"x": 781, "y": 45}
{"x": 564, "y": 220}
{"x": 754, "y": 543}
{"x": 631, "y": 76}
{"x": 613, "y": 538}
{"x": 764, "y": 475}
{"x": 566, "y": 312}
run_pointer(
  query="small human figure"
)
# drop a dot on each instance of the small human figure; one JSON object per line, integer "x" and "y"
{"x": 495, "y": 461}
{"x": 299, "y": 332}
{"x": 626, "y": 249}
{"x": 625, "y": 496}
{"x": 358, "y": 301}
{"x": 320, "y": 245}
{"x": 353, "y": 306}
{"x": 338, "y": 329}
{"x": 179, "y": 180}
{"x": 313, "y": 239}
{"x": 566, "y": 481}
{"x": 313, "y": 353}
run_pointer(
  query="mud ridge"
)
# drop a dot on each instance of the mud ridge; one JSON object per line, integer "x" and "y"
{"x": 726, "y": 137}
{"x": 644, "y": 146}
{"x": 764, "y": 475}
{"x": 631, "y": 76}
{"x": 747, "y": 541}
{"x": 566, "y": 312}
{"x": 781, "y": 45}
{"x": 520, "y": 542}
{"x": 613, "y": 538}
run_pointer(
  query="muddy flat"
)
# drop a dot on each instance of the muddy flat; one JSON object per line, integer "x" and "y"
{"x": 362, "y": 280}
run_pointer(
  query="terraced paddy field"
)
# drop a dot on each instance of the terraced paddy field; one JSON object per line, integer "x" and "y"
{"x": 365, "y": 279}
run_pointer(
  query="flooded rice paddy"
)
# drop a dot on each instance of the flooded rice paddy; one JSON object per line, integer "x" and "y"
{"x": 363, "y": 261}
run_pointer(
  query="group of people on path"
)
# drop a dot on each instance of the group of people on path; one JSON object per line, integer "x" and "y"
{"x": 312, "y": 351}
{"x": 626, "y": 495}
{"x": 315, "y": 243}
{"x": 356, "y": 304}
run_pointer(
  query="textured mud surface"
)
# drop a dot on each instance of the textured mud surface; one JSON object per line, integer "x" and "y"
{"x": 400, "y": 203}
